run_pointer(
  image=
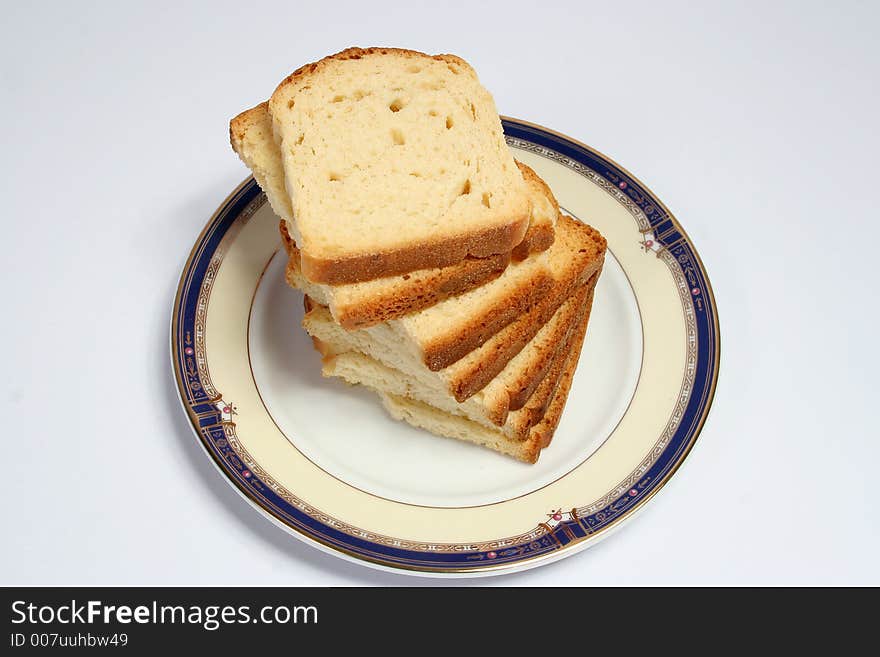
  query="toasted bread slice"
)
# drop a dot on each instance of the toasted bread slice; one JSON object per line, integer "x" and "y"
{"x": 250, "y": 134}
{"x": 394, "y": 161}
{"x": 526, "y": 421}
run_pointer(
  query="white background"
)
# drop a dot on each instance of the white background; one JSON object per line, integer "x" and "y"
{"x": 756, "y": 123}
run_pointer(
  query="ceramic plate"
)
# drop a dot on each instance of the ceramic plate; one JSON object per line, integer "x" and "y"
{"x": 323, "y": 459}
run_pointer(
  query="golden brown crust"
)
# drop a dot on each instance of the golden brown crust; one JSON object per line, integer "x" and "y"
{"x": 531, "y": 455}
{"x": 536, "y": 407}
{"x": 239, "y": 125}
{"x": 508, "y": 342}
{"x": 356, "y": 52}
{"x": 540, "y": 359}
{"x": 424, "y": 255}
{"x": 446, "y": 350}
{"x": 414, "y": 295}
{"x": 543, "y": 431}
{"x": 409, "y": 293}
{"x": 525, "y": 387}
{"x": 537, "y": 239}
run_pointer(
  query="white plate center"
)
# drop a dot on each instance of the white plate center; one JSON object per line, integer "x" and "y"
{"x": 345, "y": 431}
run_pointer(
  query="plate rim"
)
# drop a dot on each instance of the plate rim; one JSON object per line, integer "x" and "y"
{"x": 388, "y": 565}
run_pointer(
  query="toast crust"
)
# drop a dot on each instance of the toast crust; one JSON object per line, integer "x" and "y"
{"x": 539, "y": 356}
{"x": 408, "y": 293}
{"x": 526, "y": 386}
{"x": 445, "y": 350}
{"x": 536, "y": 408}
{"x": 440, "y": 252}
{"x": 356, "y": 52}
{"x": 537, "y": 239}
{"x": 472, "y": 375}
{"x": 425, "y": 255}
{"x": 544, "y": 430}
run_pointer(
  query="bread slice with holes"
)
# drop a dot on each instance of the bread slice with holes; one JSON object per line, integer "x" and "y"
{"x": 250, "y": 134}
{"x": 500, "y": 404}
{"x": 357, "y": 305}
{"x": 394, "y": 161}
{"x": 540, "y": 434}
{"x": 576, "y": 255}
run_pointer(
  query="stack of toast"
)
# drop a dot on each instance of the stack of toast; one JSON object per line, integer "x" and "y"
{"x": 437, "y": 270}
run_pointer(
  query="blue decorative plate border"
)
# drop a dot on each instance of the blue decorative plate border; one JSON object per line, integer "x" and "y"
{"x": 214, "y": 428}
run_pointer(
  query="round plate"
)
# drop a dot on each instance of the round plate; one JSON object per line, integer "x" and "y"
{"x": 324, "y": 460}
